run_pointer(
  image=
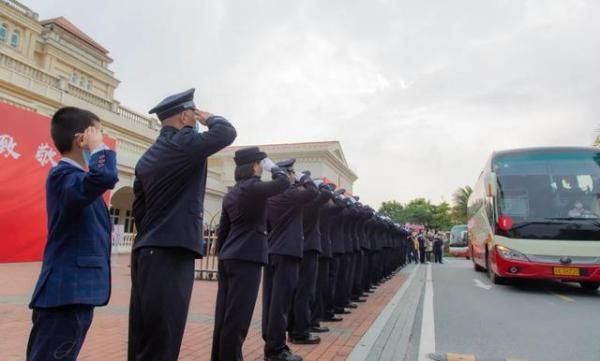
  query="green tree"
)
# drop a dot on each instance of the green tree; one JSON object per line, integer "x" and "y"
{"x": 460, "y": 198}
{"x": 441, "y": 216}
{"x": 419, "y": 211}
{"x": 394, "y": 210}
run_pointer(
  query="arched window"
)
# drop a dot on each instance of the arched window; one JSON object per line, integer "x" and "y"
{"x": 74, "y": 78}
{"x": 82, "y": 81}
{"x": 90, "y": 85}
{"x": 3, "y": 32}
{"x": 14, "y": 39}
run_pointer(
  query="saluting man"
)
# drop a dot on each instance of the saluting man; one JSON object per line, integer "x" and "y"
{"x": 286, "y": 240}
{"x": 169, "y": 187}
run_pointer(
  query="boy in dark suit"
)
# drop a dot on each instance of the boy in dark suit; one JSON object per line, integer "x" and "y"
{"x": 75, "y": 275}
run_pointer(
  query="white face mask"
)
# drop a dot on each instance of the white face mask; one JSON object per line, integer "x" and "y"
{"x": 197, "y": 127}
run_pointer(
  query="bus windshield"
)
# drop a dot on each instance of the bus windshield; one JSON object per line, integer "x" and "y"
{"x": 456, "y": 236}
{"x": 546, "y": 189}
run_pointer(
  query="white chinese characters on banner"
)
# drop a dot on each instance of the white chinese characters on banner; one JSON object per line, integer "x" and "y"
{"x": 7, "y": 146}
{"x": 45, "y": 154}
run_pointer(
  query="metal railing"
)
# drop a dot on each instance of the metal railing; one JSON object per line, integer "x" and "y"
{"x": 123, "y": 245}
{"x": 208, "y": 265}
{"x": 206, "y": 268}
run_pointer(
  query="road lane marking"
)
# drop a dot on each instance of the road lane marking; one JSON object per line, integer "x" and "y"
{"x": 458, "y": 357}
{"x": 427, "y": 341}
{"x": 364, "y": 346}
{"x": 481, "y": 284}
{"x": 564, "y": 298}
{"x": 461, "y": 357}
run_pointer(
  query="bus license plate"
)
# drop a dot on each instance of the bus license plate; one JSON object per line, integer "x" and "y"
{"x": 566, "y": 271}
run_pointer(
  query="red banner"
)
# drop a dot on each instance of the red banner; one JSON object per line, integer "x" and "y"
{"x": 26, "y": 156}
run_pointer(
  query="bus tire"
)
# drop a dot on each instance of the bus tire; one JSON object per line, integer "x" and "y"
{"x": 497, "y": 280}
{"x": 590, "y": 286}
{"x": 476, "y": 267}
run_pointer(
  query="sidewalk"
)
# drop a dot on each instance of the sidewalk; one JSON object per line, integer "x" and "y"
{"x": 107, "y": 338}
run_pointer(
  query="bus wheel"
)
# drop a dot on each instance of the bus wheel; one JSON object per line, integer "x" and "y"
{"x": 497, "y": 280}
{"x": 477, "y": 267}
{"x": 590, "y": 286}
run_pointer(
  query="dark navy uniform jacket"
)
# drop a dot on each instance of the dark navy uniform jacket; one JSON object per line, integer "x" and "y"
{"x": 243, "y": 227}
{"x": 337, "y": 230}
{"x": 328, "y": 211}
{"x": 311, "y": 222}
{"x": 170, "y": 181}
{"x": 76, "y": 265}
{"x": 284, "y": 218}
{"x": 349, "y": 224}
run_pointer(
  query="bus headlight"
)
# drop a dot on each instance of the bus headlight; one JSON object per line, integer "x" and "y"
{"x": 508, "y": 253}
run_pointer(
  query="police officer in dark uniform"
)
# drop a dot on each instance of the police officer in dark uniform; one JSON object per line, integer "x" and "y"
{"x": 168, "y": 209}
{"x": 322, "y": 307}
{"x": 299, "y": 326}
{"x": 338, "y": 245}
{"x": 242, "y": 249}
{"x": 286, "y": 240}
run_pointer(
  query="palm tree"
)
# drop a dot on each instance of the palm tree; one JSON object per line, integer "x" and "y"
{"x": 460, "y": 198}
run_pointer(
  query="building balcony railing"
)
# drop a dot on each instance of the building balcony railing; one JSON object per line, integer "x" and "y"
{"x": 89, "y": 97}
{"x": 137, "y": 118}
{"x": 29, "y": 71}
{"x": 21, "y": 8}
{"x": 125, "y": 117}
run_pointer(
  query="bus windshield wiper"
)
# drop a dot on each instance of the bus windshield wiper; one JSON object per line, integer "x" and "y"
{"x": 529, "y": 223}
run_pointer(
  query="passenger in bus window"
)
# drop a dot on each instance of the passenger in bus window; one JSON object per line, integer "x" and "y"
{"x": 580, "y": 212}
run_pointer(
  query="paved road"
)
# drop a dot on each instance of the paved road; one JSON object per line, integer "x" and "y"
{"x": 533, "y": 321}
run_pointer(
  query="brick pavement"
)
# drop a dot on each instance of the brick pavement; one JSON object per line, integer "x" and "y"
{"x": 107, "y": 338}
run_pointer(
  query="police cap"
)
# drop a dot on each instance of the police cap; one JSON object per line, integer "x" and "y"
{"x": 248, "y": 155}
{"x": 174, "y": 104}
{"x": 287, "y": 164}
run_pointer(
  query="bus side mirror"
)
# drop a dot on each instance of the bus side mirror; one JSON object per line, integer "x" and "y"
{"x": 491, "y": 184}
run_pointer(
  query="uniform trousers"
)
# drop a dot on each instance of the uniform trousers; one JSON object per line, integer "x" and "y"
{"x": 236, "y": 297}
{"x": 322, "y": 294}
{"x": 366, "y": 276}
{"x": 334, "y": 267}
{"x": 300, "y": 315}
{"x": 161, "y": 287}
{"x": 58, "y": 333}
{"x": 350, "y": 275}
{"x": 280, "y": 279}
{"x": 357, "y": 288}
{"x": 339, "y": 300}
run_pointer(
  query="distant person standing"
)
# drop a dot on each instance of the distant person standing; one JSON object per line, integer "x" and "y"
{"x": 169, "y": 186}
{"x": 438, "y": 244}
{"x": 421, "y": 240}
{"x": 428, "y": 247}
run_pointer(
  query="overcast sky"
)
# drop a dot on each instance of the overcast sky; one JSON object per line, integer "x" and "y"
{"x": 418, "y": 93}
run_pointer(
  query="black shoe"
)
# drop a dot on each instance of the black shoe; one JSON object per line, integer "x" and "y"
{"x": 341, "y": 311}
{"x": 333, "y": 318}
{"x": 319, "y": 329}
{"x": 306, "y": 340}
{"x": 358, "y": 299}
{"x": 284, "y": 355}
{"x": 371, "y": 290}
{"x": 352, "y": 305}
